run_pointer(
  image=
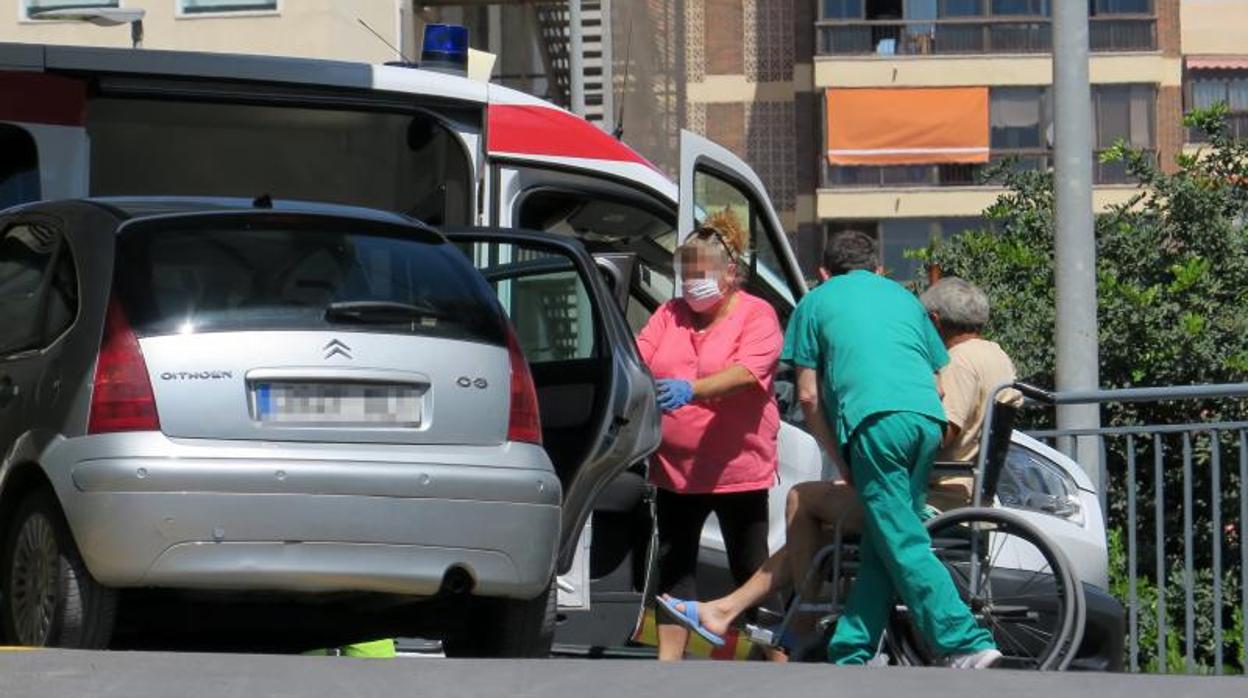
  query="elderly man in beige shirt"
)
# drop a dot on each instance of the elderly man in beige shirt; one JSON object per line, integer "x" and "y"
{"x": 976, "y": 367}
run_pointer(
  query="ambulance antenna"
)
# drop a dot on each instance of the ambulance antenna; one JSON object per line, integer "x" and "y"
{"x": 382, "y": 39}
{"x": 618, "y": 131}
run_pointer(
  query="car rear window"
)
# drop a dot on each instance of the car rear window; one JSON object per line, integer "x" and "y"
{"x": 226, "y": 273}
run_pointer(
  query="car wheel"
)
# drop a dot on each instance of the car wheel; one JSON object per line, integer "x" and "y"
{"x": 49, "y": 598}
{"x": 508, "y": 628}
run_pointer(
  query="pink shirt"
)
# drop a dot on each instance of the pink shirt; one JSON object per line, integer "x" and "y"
{"x": 727, "y": 444}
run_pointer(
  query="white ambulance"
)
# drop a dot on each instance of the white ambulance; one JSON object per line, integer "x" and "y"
{"x": 450, "y": 151}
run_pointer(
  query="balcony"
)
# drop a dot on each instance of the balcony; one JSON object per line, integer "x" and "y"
{"x": 978, "y": 35}
{"x": 956, "y": 175}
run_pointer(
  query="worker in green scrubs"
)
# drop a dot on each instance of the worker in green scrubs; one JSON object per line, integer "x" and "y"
{"x": 869, "y": 349}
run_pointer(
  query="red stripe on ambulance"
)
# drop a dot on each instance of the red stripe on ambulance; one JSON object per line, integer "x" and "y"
{"x": 526, "y": 129}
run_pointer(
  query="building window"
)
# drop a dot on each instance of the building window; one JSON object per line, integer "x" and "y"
{"x": 1207, "y": 88}
{"x": 897, "y": 237}
{"x": 1124, "y": 112}
{"x": 842, "y": 9}
{"x": 1020, "y": 117}
{"x": 34, "y": 7}
{"x": 900, "y": 236}
{"x": 204, "y": 7}
{"x": 961, "y": 8}
{"x": 1021, "y": 8}
{"x": 1098, "y": 8}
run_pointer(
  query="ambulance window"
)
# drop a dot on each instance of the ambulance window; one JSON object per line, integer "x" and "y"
{"x": 19, "y": 167}
{"x": 765, "y": 270}
{"x": 593, "y": 218}
{"x": 408, "y": 163}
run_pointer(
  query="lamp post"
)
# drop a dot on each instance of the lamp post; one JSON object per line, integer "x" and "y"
{"x": 1075, "y": 242}
{"x": 100, "y": 17}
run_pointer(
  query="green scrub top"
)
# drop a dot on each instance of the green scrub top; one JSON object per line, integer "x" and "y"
{"x": 874, "y": 347}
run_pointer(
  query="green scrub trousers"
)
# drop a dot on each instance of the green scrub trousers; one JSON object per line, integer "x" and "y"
{"x": 890, "y": 457}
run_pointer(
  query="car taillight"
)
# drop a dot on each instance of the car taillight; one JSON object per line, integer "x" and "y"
{"x": 525, "y": 423}
{"x": 122, "y": 399}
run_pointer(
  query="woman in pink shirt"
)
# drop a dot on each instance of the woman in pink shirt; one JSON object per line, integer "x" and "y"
{"x": 713, "y": 352}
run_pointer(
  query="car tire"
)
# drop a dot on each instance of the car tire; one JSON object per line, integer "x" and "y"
{"x": 47, "y": 596}
{"x": 508, "y": 628}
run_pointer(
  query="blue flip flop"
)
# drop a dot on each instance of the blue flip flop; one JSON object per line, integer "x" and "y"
{"x": 689, "y": 618}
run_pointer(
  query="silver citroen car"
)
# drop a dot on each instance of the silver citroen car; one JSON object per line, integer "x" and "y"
{"x": 229, "y": 396}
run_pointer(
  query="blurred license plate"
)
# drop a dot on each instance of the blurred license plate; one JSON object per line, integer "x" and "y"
{"x": 337, "y": 403}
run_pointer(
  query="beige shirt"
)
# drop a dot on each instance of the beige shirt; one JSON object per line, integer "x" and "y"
{"x": 976, "y": 367}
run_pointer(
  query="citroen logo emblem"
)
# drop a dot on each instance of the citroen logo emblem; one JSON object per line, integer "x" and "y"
{"x": 337, "y": 348}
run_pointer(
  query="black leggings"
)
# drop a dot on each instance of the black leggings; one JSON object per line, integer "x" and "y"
{"x": 680, "y": 517}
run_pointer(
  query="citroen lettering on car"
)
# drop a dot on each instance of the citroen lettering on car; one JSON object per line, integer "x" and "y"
{"x": 196, "y": 375}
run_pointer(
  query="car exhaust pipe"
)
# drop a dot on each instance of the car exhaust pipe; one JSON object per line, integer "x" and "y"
{"x": 458, "y": 581}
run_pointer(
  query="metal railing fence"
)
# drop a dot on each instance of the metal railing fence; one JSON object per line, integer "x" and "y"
{"x": 961, "y": 175}
{"x": 1191, "y": 541}
{"x": 975, "y": 35}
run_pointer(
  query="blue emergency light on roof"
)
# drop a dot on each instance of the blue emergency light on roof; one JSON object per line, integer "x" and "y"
{"x": 445, "y": 48}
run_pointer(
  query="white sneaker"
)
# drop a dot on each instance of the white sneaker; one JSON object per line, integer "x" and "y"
{"x": 983, "y": 659}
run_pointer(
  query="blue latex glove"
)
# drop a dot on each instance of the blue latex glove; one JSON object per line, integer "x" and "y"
{"x": 674, "y": 393}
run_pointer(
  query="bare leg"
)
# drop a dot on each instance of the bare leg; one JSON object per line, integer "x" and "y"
{"x": 672, "y": 642}
{"x": 810, "y": 506}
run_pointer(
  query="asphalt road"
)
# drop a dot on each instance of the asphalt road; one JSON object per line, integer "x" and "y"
{"x": 56, "y": 674}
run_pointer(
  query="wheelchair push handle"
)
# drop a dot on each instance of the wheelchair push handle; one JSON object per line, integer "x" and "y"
{"x": 1032, "y": 392}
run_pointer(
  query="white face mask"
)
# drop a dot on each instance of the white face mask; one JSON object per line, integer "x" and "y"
{"x": 701, "y": 294}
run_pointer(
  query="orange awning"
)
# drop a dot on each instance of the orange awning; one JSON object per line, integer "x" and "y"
{"x": 907, "y": 126}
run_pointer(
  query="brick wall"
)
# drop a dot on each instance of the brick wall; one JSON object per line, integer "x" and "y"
{"x": 725, "y": 124}
{"x": 1168, "y": 36}
{"x": 724, "y": 35}
{"x": 1170, "y": 134}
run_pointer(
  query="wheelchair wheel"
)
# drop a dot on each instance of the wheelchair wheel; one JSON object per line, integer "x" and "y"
{"x": 1017, "y": 583}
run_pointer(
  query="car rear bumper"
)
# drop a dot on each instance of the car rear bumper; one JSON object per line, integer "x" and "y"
{"x": 268, "y": 517}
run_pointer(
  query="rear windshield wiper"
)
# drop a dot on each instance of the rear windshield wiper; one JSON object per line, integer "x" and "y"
{"x": 381, "y": 312}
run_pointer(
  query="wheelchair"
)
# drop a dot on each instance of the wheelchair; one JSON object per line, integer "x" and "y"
{"x": 1016, "y": 581}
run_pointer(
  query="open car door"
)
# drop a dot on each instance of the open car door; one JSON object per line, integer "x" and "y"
{"x": 596, "y": 398}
